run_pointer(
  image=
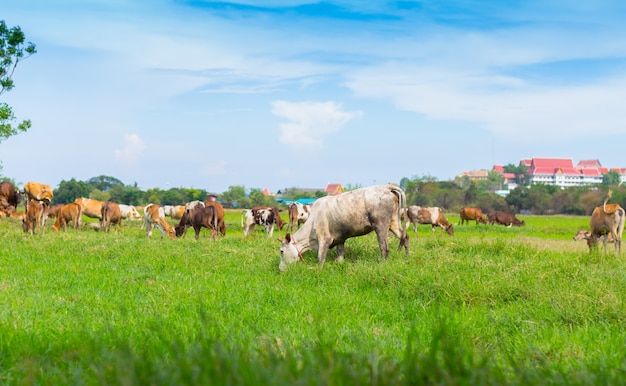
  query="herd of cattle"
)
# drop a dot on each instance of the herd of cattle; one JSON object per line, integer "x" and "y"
{"x": 324, "y": 225}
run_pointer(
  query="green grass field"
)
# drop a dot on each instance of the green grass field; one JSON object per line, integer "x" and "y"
{"x": 490, "y": 305}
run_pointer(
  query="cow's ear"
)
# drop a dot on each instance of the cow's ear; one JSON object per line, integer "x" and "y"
{"x": 288, "y": 238}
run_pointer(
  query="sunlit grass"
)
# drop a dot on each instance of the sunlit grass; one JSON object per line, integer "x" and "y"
{"x": 495, "y": 304}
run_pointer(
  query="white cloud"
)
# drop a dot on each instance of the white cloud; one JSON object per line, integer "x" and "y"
{"x": 309, "y": 123}
{"x": 508, "y": 106}
{"x": 133, "y": 147}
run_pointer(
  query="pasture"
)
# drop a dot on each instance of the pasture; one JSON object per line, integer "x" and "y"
{"x": 490, "y": 305}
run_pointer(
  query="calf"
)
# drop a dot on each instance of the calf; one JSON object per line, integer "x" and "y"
{"x": 504, "y": 218}
{"x": 428, "y": 215}
{"x": 334, "y": 219}
{"x": 34, "y": 218}
{"x": 584, "y": 234}
{"x": 475, "y": 214}
{"x": 155, "y": 216}
{"x": 111, "y": 214}
{"x": 607, "y": 219}
{"x": 53, "y": 210}
{"x": 69, "y": 212}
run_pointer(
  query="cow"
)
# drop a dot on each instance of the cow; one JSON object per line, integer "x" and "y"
{"x": 174, "y": 211}
{"x": 34, "y": 218}
{"x": 129, "y": 212}
{"x": 199, "y": 217}
{"x": 505, "y": 218}
{"x": 155, "y": 216}
{"x": 39, "y": 192}
{"x": 264, "y": 216}
{"x": 9, "y": 197}
{"x": 606, "y": 220}
{"x": 584, "y": 234}
{"x": 428, "y": 215}
{"x": 219, "y": 211}
{"x": 475, "y": 214}
{"x": 91, "y": 208}
{"x": 111, "y": 214}
{"x": 68, "y": 212}
{"x": 298, "y": 214}
{"x": 334, "y": 219}
{"x": 53, "y": 210}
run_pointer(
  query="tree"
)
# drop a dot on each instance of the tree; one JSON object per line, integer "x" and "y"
{"x": 104, "y": 183}
{"x": 68, "y": 191}
{"x": 12, "y": 51}
{"x": 612, "y": 178}
{"x": 520, "y": 171}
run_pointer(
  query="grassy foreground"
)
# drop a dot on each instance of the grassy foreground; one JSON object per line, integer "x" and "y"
{"x": 490, "y": 305}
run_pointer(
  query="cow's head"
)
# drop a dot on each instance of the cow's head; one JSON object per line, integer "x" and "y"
{"x": 582, "y": 234}
{"x": 288, "y": 253}
{"x": 481, "y": 219}
{"x": 450, "y": 229}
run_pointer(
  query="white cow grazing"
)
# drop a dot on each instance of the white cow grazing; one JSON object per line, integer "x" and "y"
{"x": 334, "y": 219}
{"x": 155, "y": 216}
{"x": 129, "y": 212}
{"x": 428, "y": 215}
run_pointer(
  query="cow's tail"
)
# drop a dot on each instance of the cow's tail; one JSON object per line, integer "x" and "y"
{"x": 608, "y": 196}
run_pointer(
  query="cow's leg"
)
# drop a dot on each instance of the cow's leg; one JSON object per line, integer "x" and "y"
{"x": 324, "y": 245}
{"x": 269, "y": 230}
{"x": 149, "y": 228}
{"x": 381, "y": 235}
{"x": 197, "y": 230}
{"x": 403, "y": 236}
{"x": 340, "y": 252}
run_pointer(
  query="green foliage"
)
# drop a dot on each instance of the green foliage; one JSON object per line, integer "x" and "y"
{"x": 68, "y": 191}
{"x": 13, "y": 49}
{"x": 520, "y": 171}
{"x": 104, "y": 183}
{"x": 236, "y": 197}
{"x": 612, "y": 178}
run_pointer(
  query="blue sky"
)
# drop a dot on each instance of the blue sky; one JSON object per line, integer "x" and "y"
{"x": 296, "y": 93}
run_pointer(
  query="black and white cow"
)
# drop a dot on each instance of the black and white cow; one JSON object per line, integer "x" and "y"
{"x": 334, "y": 219}
{"x": 264, "y": 216}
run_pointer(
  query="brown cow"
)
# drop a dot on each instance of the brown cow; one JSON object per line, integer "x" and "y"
{"x": 475, "y": 214}
{"x": 219, "y": 212}
{"x": 199, "y": 217}
{"x": 111, "y": 214}
{"x": 428, "y": 215}
{"x": 9, "y": 197}
{"x": 155, "y": 216}
{"x": 53, "y": 210}
{"x": 91, "y": 208}
{"x": 68, "y": 212}
{"x": 34, "y": 219}
{"x": 607, "y": 219}
{"x": 505, "y": 218}
{"x": 39, "y": 192}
